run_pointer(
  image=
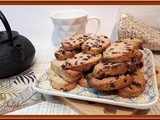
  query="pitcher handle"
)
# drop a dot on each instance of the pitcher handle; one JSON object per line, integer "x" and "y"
{"x": 6, "y": 24}
{"x": 98, "y": 25}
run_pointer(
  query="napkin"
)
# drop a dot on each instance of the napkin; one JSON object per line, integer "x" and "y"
{"x": 16, "y": 92}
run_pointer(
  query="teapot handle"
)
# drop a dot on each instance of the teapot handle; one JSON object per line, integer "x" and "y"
{"x": 6, "y": 24}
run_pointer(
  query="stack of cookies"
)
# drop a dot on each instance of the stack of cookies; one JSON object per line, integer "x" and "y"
{"x": 99, "y": 63}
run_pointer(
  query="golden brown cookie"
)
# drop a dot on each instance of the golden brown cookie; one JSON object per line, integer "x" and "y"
{"x": 74, "y": 42}
{"x": 110, "y": 83}
{"x": 62, "y": 54}
{"x": 58, "y": 83}
{"x": 118, "y": 52}
{"x": 96, "y": 44}
{"x": 67, "y": 75}
{"x": 102, "y": 70}
{"x": 81, "y": 62}
{"x": 135, "y": 88}
{"x": 136, "y": 43}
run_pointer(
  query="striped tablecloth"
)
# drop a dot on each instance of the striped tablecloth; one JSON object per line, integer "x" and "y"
{"x": 44, "y": 54}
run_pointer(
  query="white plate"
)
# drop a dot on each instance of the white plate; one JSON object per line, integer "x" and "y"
{"x": 147, "y": 99}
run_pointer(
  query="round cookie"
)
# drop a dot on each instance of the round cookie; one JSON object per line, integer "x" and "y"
{"x": 118, "y": 52}
{"x": 102, "y": 70}
{"x": 81, "y": 62}
{"x": 58, "y": 83}
{"x": 110, "y": 83}
{"x": 62, "y": 54}
{"x": 136, "y": 43}
{"x": 74, "y": 42}
{"x": 135, "y": 88}
{"x": 96, "y": 44}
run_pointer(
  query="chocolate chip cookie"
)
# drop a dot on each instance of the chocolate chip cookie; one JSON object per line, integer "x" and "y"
{"x": 74, "y": 42}
{"x": 118, "y": 52}
{"x": 81, "y": 62}
{"x": 110, "y": 83}
{"x": 58, "y": 83}
{"x": 96, "y": 44}
{"x": 67, "y": 75}
{"x": 102, "y": 70}
{"x": 135, "y": 88}
{"x": 62, "y": 54}
{"x": 136, "y": 43}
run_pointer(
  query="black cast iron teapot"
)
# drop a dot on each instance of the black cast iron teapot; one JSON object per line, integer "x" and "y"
{"x": 16, "y": 51}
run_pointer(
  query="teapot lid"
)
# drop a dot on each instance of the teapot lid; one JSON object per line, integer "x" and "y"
{"x": 4, "y": 36}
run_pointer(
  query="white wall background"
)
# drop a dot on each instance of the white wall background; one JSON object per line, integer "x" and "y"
{"x": 34, "y": 21}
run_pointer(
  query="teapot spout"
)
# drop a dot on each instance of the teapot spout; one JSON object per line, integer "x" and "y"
{"x": 17, "y": 53}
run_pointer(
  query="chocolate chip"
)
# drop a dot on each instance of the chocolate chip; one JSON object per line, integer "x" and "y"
{"x": 102, "y": 41}
{"x": 88, "y": 56}
{"x": 80, "y": 37}
{"x": 125, "y": 80}
{"x": 85, "y": 36}
{"x": 68, "y": 64}
{"x": 56, "y": 54}
{"x": 111, "y": 48}
{"x": 139, "y": 65}
{"x": 64, "y": 67}
{"x": 105, "y": 37}
{"x": 81, "y": 63}
{"x": 71, "y": 38}
{"x": 136, "y": 84}
{"x": 141, "y": 48}
{"x": 95, "y": 45}
{"x": 133, "y": 59}
{"x": 74, "y": 57}
{"x": 76, "y": 62}
{"x": 112, "y": 85}
{"x": 131, "y": 38}
{"x": 132, "y": 69}
{"x": 100, "y": 45}
{"x": 115, "y": 52}
{"x": 103, "y": 60}
{"x": 87, "y": 47}
{"x": 62, "y": 51}
{"x": 85, "y": 59}
{"x": 67, "y": 42}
